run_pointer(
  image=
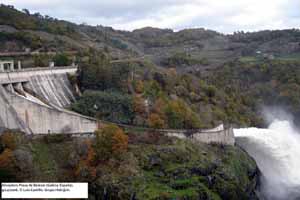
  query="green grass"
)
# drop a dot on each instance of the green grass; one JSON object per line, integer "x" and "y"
{"x": 44, "y": 160}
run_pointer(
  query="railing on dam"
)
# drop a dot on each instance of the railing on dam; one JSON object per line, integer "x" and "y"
{"x": 187, "y": 132}
{"x": 218, "y": 135}
{"x": 221, "y": 137}
{"x": 41, "y": 69}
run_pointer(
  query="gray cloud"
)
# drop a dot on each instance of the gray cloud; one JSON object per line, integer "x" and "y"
{"x": 220, "y": 15}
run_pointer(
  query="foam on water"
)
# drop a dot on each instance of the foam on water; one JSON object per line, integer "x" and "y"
{"x": 277, "y": 153}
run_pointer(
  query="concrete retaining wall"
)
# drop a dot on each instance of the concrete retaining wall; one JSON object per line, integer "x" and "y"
{"x": 43, "y": 119}
{"x": 218, "y": 135}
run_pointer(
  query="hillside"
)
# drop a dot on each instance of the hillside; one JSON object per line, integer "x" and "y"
{"x": 188, "y": 68}
{"x": 159, "y": 44}
{"x": 158, "y": 79}
{"x": 153, "y": 167}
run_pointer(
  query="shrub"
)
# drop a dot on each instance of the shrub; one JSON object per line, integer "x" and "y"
{"x": 41, "y": 60}
{"x": 49, "y": 139}
{"x": 210, "y": 91}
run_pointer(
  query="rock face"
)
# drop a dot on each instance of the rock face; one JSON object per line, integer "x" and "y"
{"x": 189, "y": 171}
{"x": 182, "y": 170}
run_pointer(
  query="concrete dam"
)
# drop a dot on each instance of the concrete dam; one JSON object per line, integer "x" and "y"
{"x": 34, "y": 101}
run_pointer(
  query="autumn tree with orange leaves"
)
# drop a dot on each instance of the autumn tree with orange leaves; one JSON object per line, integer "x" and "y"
{"x": 8, "y": 140}
{"x": 87, "y": 164}
{"x": 7, "y": 162}
{"x": 6, "y": 159}
{"x": 110, "y": 141}
{"x": 139, "y": 105}
{"x": 155, "y": 121}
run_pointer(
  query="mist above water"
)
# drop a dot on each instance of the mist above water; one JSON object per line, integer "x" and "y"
{"x": 277, "y": 154}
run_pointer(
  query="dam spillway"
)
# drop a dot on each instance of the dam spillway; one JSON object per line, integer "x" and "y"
{"x": 33, "y": 101}
{"x": 51, "y": 84}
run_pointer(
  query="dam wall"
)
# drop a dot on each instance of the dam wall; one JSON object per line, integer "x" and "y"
{"x": 217, "y": 135}
{"x": 33, "y": 101}
{"x": 8, "y": 116}
{"x": 42, "y": 119}
{"x": 51, "y": 84}
{"x": 225, "y": 136}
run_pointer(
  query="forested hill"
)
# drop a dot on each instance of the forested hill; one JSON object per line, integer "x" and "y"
{"x": 193, "y": 78}
{"x": 197, "y": 46}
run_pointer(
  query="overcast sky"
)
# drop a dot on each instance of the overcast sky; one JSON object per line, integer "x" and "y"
{"x": 222, "y": 15}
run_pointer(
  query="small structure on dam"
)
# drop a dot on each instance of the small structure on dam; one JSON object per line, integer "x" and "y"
{"x": 6, "y": 66}
{"x": 34, "y": 100}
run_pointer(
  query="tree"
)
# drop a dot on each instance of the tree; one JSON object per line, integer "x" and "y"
{"x": 6, "y": 159}
{"x": 8, "y": 140}
{"x": 26, "y": 11}
{"x": 61, "y": 60}
{"x": 159, "y": 106}
{"x": 110, "y": 106}
{"x": 152, "y": 89}
{"x": 138, "y": 86}
{"x": 155, "y": 121}
{"x": 7, "y": 166}
{"x": 120, "y": 142}
{"x": 100, "y": 74}
{"x": 139, "y": 105}
{"x": 110, "y": 142}
{"x": 180, "y": 115}
{"x": 86, "y": 167}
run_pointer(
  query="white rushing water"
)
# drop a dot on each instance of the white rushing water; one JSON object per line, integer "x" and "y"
{"x": 277, "y": 153}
